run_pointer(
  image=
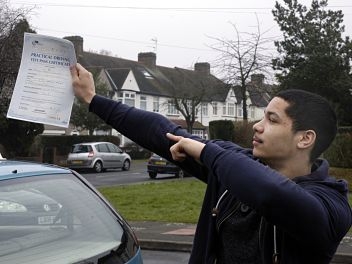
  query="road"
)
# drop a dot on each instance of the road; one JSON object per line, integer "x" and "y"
{"x": 136, "y": 174}
{"x": 164, "y": 257}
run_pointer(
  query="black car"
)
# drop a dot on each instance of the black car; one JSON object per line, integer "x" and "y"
{"x": 157, "y": 164}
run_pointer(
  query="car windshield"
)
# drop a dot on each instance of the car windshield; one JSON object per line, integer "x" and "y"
{"x": 54, "y": 219}
{"x": 81, "y": 149}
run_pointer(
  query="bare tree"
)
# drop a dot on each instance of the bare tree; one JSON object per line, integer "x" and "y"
{"x": 16, "y": 136}
{"x": 188, "y": 107}
{"x": 188, "y": 93}
{"x": 241, "y": 57}
{"x": 12, "y": 24}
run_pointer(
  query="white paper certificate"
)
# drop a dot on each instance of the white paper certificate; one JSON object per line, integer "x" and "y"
{"x": 43, "y": 90}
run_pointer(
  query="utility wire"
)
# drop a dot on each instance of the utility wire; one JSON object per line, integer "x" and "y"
{"x": 160, "y": 8}
{"x": 125, "y": 40}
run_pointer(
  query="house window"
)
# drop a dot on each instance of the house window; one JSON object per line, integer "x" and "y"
{"x": 147, "y": 74}
{"x": 120, "y": 97}
{"x": 252, "y": 110}
{"x": 197, "y": 132}
{"x": 239, "y": 110}
{"x": 215, "y": 108}
{"x": 129, "y": 99}
{"x": 205, "y": 109}
{"x": 126, "y": 98}
{"x": 171, "y": 108}
{"x": 143, "y": 102}
{"x": 231, "y": 109}
{"x": 224, "y": 109}
{"x": 156, "y": 104}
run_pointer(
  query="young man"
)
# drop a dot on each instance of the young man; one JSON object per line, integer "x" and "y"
{"x": 273, "y": 204}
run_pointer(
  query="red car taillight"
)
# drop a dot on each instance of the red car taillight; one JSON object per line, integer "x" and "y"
{"x": 90, "y": 154}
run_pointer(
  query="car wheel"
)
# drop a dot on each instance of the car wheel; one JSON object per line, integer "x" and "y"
{"x": 98, "y": 167}
{"x": 180, "y": 174}
{"x": 152, "y": 175}
{"x": 126, "y": 165}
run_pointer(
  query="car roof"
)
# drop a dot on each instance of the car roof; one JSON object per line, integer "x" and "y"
{"x": 10, "y": 169}
{"x": 92, "y": 143}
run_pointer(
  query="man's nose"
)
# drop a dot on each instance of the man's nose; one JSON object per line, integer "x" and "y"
{"x": 258, "y": 127}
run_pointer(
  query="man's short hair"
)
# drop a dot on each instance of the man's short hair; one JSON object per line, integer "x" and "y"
{"x": 310, "y": 111}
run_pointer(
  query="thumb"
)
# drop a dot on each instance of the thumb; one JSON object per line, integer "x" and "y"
{"x": 80, "y": 68}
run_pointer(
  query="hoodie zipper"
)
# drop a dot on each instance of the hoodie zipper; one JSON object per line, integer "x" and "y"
{"x": 215, "y": 210}
{"x": 276, "y": 254}
{"x": 260, "y": 232}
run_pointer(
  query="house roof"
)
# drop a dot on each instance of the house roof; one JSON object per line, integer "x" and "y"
{"x": 182, "y": 123}
{"x": 158, "y": 80}
{"x": 258, "y": 93}
{"x": 118, "y": 77}
{"x": 189, "y": 83}
{"x": 171, "y": 82}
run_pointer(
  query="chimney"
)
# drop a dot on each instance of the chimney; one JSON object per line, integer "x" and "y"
{"x": 147, "y": 58}
{"x": 202, "y": 67}
{"x": 257, "y": 79}
{"x": 78, "y": 43}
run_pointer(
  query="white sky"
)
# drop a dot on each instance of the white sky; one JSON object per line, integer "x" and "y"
{"x": 127, "y": 27}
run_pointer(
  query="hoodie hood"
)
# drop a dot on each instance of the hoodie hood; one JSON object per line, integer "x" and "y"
{"x": 320, "y": 174}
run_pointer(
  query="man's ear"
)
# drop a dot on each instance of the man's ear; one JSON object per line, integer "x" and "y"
{"x": 306, "y": 139}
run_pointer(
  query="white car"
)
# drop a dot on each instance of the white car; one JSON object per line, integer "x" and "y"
{"x": 98, "y": 156}
{"x": 53, "y": 215}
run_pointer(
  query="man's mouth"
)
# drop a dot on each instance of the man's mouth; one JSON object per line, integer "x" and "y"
{"x": 257, "y": 140}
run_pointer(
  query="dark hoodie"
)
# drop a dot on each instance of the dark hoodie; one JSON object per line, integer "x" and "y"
{"x": 310, "y": 213}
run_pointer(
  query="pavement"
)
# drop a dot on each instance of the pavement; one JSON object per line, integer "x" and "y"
{"x": 179, "y": 237}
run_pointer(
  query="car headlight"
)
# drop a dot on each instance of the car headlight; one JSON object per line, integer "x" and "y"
{"x": 11, "y": 207}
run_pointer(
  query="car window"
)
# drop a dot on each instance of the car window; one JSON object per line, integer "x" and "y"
{"x": 102, "y": 147}
{"x": 114, "y": 148}
{"x": 81, "y": 149}
{"x": 56, "y": 219}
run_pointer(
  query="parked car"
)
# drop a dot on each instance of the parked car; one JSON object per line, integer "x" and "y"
{"x": 98, "y": 156}
{"x": 157, "y": 164}
{"x": 53, "y": 215}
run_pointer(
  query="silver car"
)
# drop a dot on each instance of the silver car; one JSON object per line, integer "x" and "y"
{"x": 98, "y": 156}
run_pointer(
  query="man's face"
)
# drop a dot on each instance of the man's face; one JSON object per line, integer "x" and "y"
{"x": 274, "y": 141}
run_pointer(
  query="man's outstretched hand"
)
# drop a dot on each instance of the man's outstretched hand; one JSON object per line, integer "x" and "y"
{"x": 185, "y": 147}
{"x": 83, "y": 83}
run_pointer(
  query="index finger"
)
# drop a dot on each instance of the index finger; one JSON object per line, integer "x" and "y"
{"x": 73, "y": 70}
{"x": 173, "y": 137}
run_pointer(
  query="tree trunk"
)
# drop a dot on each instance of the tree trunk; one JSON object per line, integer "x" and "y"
{"x": 244, "y": 102}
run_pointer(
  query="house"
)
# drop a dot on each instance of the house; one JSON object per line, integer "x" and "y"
{"x": 146, "y": 85}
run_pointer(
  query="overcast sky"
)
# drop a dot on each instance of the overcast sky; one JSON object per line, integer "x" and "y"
{"x": 180, "y": 32}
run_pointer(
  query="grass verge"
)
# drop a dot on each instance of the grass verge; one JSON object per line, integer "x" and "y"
{"x": 177, "y": 201}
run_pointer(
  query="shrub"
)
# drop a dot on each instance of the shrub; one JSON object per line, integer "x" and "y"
{"x": 243, "y": 133}
{"x": 339, "y": 154}
{"x": 63, "y": 144}
{"x": 221, "y": 129}
{"x": 136, "y": 151}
